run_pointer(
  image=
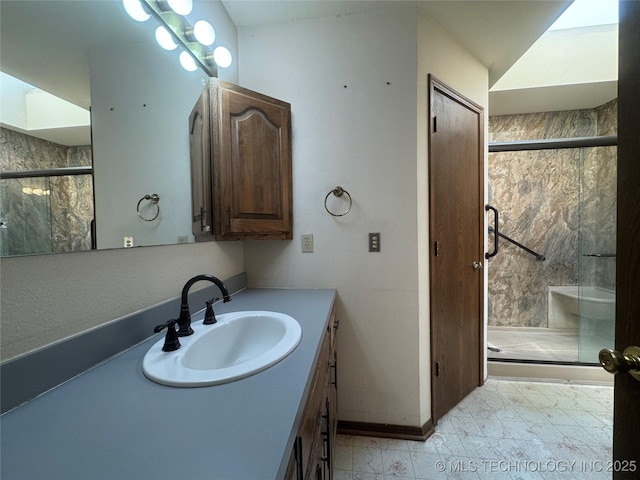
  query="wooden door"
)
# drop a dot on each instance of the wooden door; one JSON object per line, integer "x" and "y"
{"x": 626, "y": 424}
{"x": 201, "y": 180}
{"x": 456, "y": 223}
{"x": 253, "y": 165}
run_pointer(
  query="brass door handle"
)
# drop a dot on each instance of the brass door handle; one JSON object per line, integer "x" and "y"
{"x": 615, "y": 362}
{"x": 478, "y": 266}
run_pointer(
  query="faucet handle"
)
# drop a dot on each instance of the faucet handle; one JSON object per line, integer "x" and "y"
{"x": 171, "y": 341}
{"x": 209, "y": 316}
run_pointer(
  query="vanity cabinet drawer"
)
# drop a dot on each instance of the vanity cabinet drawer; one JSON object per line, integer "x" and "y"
{"x": 312, "y": 456}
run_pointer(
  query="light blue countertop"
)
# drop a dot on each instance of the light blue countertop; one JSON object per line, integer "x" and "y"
{"x": 113, "y": 423}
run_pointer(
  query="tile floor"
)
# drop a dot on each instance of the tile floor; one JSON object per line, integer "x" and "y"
{"x": 507, "y": 429}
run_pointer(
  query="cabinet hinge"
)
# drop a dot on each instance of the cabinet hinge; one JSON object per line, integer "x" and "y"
{"x": 437, "y": 369}
{"x": 436, "y": 248}
{"x": 435, "y": 124}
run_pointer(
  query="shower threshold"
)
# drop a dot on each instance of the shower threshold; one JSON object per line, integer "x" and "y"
{"x": 533, "y": 344}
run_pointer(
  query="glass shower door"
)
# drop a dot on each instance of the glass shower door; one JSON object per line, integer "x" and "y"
{"x": 597, "y": 263}
{"x": 25, "y": 216}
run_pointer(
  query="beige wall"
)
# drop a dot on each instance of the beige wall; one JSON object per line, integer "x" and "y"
{"x": 440, "y": 55}
{"x": 50, "y": 297}
{"x": 47, "y": 298}
{"x": 368, "y": 137}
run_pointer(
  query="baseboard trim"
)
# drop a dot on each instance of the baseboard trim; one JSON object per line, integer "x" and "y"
{"x": 386, "y": 430}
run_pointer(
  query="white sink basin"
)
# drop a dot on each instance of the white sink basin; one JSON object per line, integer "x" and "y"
{"x": 238, "y": 345}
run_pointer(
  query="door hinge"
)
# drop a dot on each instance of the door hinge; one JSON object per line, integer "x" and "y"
{"x": 436, "y": 248}
{"x": 437, "y": 369}
{"x": 435, "y": 124}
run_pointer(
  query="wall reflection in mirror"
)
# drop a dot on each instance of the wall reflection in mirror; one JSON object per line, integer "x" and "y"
{"x": 60, "y": 60}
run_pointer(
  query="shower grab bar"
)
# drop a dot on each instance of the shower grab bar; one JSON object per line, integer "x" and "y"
{"x": 488, "y": 207}
{"x": 538, "y": 256}
{"x": 600, "y": 255}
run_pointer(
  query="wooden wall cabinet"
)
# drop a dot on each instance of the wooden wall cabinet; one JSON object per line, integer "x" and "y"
{"x": 240, "y": 145}
{"x": 312, "y": 455}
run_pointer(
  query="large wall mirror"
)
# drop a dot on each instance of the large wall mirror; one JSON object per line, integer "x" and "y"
{"x": 68, "y": 63}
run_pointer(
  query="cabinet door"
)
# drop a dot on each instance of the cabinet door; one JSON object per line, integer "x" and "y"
{"x": 201, "y": 181}
{"x": 253, "y": 168}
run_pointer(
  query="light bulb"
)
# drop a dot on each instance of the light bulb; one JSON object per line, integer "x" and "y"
{"x": 181, "y": 7}
{"x": 187, "y": 62}
{"x": 135, "y": 10}
{"x": 204, "y": 32}
{"x": 222, "y": 57}
{"x": 164, "y": 39}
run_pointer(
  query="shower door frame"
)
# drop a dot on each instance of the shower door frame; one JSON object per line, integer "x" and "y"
{"x": 550, "y": 144}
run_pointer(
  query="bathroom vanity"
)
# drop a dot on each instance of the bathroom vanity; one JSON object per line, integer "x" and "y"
{"x": 112, "y": 422}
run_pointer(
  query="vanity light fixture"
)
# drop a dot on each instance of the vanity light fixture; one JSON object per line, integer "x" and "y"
{"x": 165, "y": 39}
{"x": 135, "y": 10}
{"x": 175, "y": 30}
{"x": 202, "y": 32}
{"x": 222, "y": 57}
{"x": 187, "y": 62}
{"x": 181, "y": 7}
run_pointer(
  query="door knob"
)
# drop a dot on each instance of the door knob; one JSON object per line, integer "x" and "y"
{"x": 615, "y": 362}
{"x": 477, "y": 265}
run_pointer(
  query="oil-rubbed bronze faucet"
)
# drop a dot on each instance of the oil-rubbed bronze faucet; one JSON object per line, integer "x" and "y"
{"x": 184, "y": 321}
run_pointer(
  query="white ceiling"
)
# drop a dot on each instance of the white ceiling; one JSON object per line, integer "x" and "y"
{"x": 35, "y": 34}
{"x": 40, "y": 37}
{"x": 47, "y": 43}
{"x": 496, "y": 32}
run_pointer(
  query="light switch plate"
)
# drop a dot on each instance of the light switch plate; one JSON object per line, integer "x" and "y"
{"x": 374, "y": 242}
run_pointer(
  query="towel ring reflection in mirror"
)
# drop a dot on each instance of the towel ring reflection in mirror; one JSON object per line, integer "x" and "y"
{"x": 338, "y": 192}
{"x": 154, "y": 199}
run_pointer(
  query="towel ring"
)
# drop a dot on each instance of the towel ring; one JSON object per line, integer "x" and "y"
{"x": 338, "y": 191}
{"x": 154, "y": 198}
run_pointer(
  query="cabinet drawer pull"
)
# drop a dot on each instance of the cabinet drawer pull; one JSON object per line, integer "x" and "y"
{"x": 334, "y": 367}
{"x": 327, "y": 436}
{"x": 298, "y": 455}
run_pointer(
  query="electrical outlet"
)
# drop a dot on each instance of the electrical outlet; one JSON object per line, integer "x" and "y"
{"x": 307, "y": 242}
{"x": 128, "y": 242}
{"x": 374, "y": 242}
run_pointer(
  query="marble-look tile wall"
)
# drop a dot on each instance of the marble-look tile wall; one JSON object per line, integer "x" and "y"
{"x": 59, "y": 221}
{"x": 538, "y": 194}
